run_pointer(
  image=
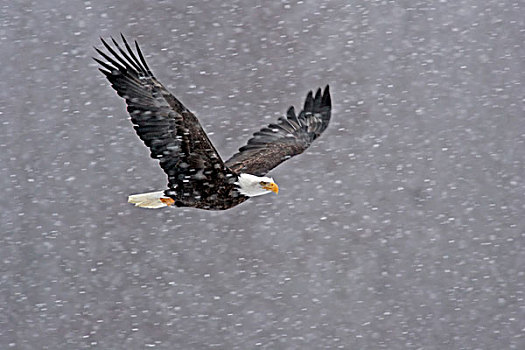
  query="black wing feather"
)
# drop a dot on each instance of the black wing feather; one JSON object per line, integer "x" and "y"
{"x": 123, "y": 53}
{"x": 290, "y": 136}
{"x": 172, "y": 133}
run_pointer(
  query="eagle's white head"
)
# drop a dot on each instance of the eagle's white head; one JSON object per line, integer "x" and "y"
{"x": 251, "y": 185}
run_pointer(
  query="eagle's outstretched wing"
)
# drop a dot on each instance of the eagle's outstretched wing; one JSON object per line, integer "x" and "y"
{"x": 172, "y": 133}
{"x": 290, "y": 136}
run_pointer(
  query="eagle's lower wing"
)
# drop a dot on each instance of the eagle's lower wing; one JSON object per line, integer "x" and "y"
{"x": 290, "y": 136}
{"x": 172, "y": 133}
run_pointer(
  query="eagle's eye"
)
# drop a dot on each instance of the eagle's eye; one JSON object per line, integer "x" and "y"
{"x": 263, "y": 183}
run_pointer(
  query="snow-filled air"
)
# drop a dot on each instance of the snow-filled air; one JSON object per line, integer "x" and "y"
{"x": 401, "y": 227}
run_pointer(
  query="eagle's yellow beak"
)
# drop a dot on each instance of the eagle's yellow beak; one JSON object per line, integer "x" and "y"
{"x": 272, "y": 187}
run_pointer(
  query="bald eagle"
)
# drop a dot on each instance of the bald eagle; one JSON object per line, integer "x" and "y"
{"x": 197, "y": 176}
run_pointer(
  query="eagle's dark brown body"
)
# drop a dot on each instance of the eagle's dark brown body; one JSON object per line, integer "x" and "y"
{"x": 197, "y": 176}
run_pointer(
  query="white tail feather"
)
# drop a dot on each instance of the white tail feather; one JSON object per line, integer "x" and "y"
{"x": 150, "y": 200}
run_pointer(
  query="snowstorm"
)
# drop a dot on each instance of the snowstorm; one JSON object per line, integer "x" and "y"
{"x": 401, "y": 227}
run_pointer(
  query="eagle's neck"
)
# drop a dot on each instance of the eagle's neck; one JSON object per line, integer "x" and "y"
{"x": 250, "y": 185}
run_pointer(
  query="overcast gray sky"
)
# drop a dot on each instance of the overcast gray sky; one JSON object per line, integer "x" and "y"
{"x": 402, "y": 227}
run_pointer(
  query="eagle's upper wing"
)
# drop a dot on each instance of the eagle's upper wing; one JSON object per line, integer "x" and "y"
{"x": 290, "y": 136}
{"x": 172, "y": 133}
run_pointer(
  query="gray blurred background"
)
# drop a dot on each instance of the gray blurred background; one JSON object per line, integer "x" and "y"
{"x": 402, "y": 227}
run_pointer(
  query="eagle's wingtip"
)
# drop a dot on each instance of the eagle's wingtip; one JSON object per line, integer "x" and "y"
{"x": 327, "y": 100}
